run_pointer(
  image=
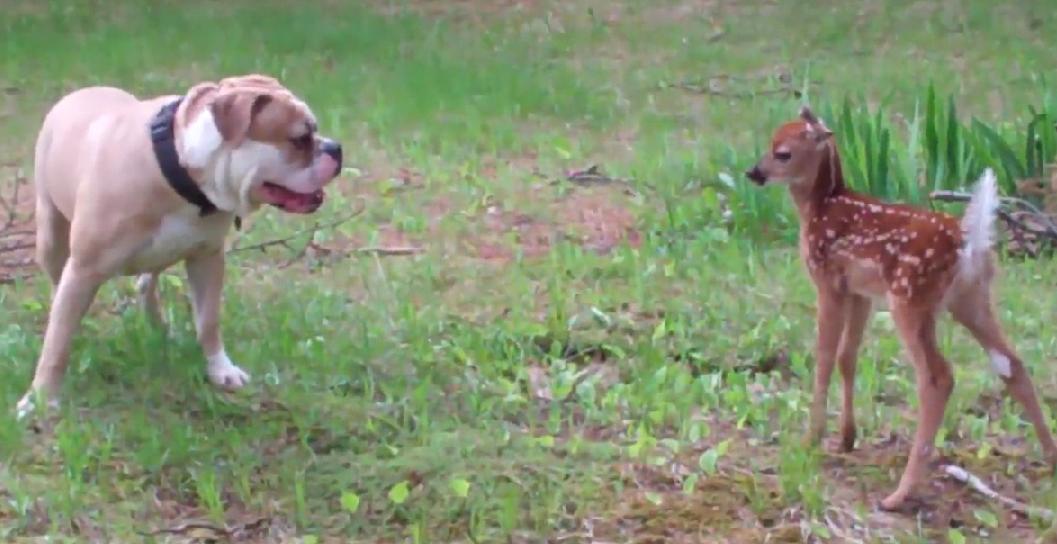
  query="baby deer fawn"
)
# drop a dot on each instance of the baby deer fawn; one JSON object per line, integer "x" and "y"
{"x": 858, "y": 249}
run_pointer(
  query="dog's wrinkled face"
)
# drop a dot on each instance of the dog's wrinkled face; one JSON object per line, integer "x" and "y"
{"x": 257, "y": 135}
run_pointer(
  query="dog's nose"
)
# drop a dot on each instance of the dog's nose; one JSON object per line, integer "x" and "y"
{"x": 755, "y": 174}
{"x": 332, "y": 148}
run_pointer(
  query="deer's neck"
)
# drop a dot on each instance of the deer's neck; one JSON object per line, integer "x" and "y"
{"x": 810, "y": 198}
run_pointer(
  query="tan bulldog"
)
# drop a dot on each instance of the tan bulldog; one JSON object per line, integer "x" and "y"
{"x": 129, "y": 186}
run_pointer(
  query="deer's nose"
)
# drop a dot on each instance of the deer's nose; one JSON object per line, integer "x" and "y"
{"x": 756, "y": 175}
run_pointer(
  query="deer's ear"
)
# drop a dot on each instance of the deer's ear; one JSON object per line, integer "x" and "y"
{"x": 817, "y": 131}
{"x": 808, "y": 116}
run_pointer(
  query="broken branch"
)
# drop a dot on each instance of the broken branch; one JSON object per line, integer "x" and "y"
{"x": 285, "y": 241}
{"x": 388, "y": 251}
{"x": 981, "y": 487}
{"x": 187, "y": 526}
{"x": 1047, "y": 222}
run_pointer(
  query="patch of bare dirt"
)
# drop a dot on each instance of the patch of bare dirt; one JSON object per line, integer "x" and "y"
{"x": 17, "y": 230}
{"x": 473, "y": 11}
{"x": 740, "y": 502}
{"x": 185, "y": 522}
{"x": 599, "y": 219}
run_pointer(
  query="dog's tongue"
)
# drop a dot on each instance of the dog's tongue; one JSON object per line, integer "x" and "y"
{"x": 290, "y": 201}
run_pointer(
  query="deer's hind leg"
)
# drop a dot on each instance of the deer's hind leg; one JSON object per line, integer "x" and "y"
{"x": 935, "y": 381}
{"x": 974, "y": 310}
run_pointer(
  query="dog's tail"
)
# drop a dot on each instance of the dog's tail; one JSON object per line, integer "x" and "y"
{"x": 978, "y": 226}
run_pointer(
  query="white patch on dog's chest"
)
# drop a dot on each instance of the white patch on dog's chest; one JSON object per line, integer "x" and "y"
{"x": 178, "y": 237}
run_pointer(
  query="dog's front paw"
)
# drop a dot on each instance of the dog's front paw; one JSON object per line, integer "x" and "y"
{"x": 27, "y": 405}
{"x": 225, "y": 374}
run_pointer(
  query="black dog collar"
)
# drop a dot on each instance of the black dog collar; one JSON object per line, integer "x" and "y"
{"x": 163, "y": 137}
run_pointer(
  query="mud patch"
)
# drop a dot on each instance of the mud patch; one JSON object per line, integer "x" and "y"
{"x": 598, "y": 219}
{"x": 17, "y": 230}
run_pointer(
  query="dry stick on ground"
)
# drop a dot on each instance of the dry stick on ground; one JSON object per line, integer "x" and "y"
{"x": 285, "y": 241}
{"x": 981, "y": 487}
{"x": 1049, "y": 228}
{"x": 593, "y": 175}
{"x": 714, "y": 86}
{"x": 186, "y": 526}
{"x": 11, "y": 205}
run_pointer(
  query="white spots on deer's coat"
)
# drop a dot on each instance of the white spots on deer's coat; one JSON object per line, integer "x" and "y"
{"x": 1000, "y": 364}
{"x": 929, "y": 252}
{"x": 830, "y": 233}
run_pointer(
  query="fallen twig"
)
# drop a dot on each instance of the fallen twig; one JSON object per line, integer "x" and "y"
{"x": 593, "y": 175}
{"x": 389, "y": 251}
{"x": 10, "y": 279}
{"x": 11, "y": 205}
{"x": 181, "y": 528}
{"x": 285, "y": 241}
{"x": 981, "y": 487}
{"x": 11, "y": 233}
{"x": 1047, "y": 222}
{"x": 17, "y": 246}
{"x": 1027, "y": 224}
{"x": 719, "y": 86}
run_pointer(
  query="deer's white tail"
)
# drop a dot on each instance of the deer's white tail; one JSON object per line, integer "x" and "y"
{"x": 978, "y": 225}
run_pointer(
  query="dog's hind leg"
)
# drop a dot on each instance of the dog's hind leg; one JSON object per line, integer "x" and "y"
{"x": 147, "y": 289}
{"x": 53, "y": 239}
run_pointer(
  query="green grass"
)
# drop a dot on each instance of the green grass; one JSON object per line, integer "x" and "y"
{"x": 655, "y": 391}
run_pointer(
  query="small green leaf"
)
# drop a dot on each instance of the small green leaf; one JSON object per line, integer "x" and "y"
{"x": 399, "y": 492}
{"x": 986, "y": 517}
{"x": 460, "y": 487}
{"x": 173, "y": 280}
{"x": 350, "y": 501}
{"x": 689, "y": 483}
{"x": 954, "y": 536}
{"x": 660, "y": 330}
{"x": 708, "y": 461}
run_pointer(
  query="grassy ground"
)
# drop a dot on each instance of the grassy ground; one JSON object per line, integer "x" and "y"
{"x": 617, "y": 362}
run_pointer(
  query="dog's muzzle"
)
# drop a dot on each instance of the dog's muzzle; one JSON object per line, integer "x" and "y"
{"x": 333, "y": 150}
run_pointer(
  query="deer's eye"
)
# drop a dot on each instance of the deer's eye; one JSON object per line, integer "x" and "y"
{"x": 783, "y": 155}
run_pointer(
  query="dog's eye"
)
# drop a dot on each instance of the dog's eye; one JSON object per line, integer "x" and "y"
{"x": 783, "y": 155}
{"x": 302, "y": 142}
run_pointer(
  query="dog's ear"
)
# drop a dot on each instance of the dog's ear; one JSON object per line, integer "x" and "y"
{"x": 233, "y": 113}
{"x": 200, "y": 138}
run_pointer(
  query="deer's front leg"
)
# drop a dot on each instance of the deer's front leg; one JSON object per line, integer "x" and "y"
{"x": 206, "y": 276}
{"x": 858, "y": 314}
{"x": 830, "y": 322}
